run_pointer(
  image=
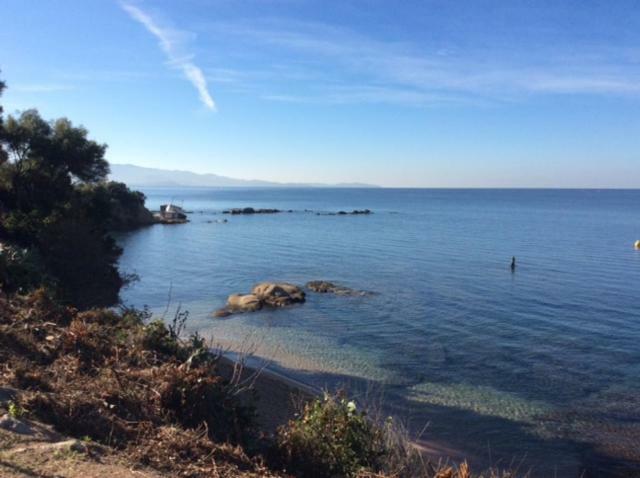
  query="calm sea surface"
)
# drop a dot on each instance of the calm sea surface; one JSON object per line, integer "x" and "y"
{"x": 539, "y": 367}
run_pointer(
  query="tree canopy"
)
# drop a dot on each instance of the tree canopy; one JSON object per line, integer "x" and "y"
{"x": 56, "y": 209}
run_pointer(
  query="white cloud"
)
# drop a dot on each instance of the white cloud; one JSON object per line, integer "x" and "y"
{"x": 170, "y": 42}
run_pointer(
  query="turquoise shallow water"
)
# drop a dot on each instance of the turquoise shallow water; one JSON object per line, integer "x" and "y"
{"x": 541, "y": 366}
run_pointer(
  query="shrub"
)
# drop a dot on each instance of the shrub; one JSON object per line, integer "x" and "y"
{"x": 158, "y": 338}
{"x": 15, "y": 410}
{"x": 331, "y": 438}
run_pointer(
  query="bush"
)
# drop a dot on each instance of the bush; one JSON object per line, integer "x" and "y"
{"x": 331, "y": 438}
{"x": 156, "y": 337}
{"x": 114, "y": 206}
{"x": 20, "y": 269}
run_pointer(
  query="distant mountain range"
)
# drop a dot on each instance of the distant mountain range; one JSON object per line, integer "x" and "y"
{"x": 152, "y": 177}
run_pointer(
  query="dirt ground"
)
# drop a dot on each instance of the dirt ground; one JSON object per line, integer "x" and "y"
{"x": 29, "y": 449}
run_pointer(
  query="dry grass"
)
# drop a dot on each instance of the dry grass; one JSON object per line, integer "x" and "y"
{"x": 128, "y": 384}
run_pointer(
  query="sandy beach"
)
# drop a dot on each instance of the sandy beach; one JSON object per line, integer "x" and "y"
{"x": 278, "y": 398}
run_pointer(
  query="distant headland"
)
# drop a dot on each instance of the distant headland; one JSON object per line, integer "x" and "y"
{"x": 151, "y": 177}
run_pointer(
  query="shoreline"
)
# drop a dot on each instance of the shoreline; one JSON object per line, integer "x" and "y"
{"x": 280, "y": 397}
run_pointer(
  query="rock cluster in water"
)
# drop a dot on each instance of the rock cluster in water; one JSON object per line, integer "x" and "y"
{"x": 266, "y": 294}
{"x": 250, "y": 210}
{"x": 280, "y": 294}
{"x": 355, "y": 212}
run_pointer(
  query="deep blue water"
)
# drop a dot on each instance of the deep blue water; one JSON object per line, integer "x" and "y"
{"x": 540, "y": 366}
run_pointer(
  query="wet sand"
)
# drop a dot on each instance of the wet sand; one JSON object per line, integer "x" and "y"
{"x": 277, "y": 398}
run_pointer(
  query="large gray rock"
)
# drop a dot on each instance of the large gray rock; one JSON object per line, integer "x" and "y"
{"x": 266, "y": 294}
{"x": 278, "y": 294}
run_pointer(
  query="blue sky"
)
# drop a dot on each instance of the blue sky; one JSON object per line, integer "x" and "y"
{"x": 482, "y": 93}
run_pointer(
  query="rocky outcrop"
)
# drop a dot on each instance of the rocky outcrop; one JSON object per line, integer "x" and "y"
{"x": 161, "y": 219}
{"x": 266, "y": 294}
{"x": 326, "y": 287}
{"x": 355, "y": 212}
{"x": 279, "y": 294}
{"x": 250, "y": 210}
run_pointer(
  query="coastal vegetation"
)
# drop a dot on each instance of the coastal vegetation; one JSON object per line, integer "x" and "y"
{"x": 129, "y": 386}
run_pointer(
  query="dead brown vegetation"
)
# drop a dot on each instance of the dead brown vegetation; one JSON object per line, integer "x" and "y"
{"x": 128, "y": 383}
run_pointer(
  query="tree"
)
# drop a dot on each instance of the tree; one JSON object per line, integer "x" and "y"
{"x": 3, "y": 156}
{"x": 57, "y": 148}
{"x": 117, "y": 207}
{"x": 56, "y": 211}
{"x": 45, "y": 161}
{"x": 43, "y": 210}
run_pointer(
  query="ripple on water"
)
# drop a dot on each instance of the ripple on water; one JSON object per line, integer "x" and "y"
{"x": 301, "y": 350}
{"x": 481, "y": 400}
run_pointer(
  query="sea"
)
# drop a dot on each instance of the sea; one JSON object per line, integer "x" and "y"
{"x": 535, "y": 369}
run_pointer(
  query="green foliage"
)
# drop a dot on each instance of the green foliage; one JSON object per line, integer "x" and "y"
{"x": 20, "y": 269}
{"x": 158, "y": 338}
{"x": 15, "y": 410}
{"x": 57, "y": 209}
{"x": 167, "y": 339}
{"x": 57, "y": 148}
{"x": 82, "y": 259}
{"x": 117, "y": 207}
{"x": 2, "y": 87}
{"x": 331, "y": 438}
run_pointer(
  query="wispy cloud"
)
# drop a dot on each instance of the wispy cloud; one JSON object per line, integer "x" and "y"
{"x": 364, "y": 94}
{"x": 171, "y": 42}
{"x": 355, "y": 68}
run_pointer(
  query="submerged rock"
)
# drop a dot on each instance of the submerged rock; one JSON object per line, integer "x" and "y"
{"x": 222, "y": 313}
{"x": 266, "y": 294}
{"x": 326, "y": 287}
{"x": 244, "y": 303}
